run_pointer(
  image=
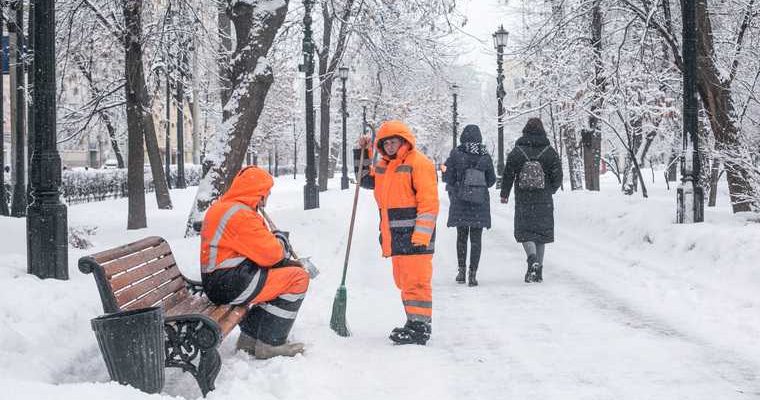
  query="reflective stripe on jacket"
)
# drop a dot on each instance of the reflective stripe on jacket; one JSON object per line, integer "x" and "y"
{"x": 234, "y": 231}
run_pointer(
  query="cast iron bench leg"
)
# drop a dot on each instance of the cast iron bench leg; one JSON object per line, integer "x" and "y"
{"x": 188, "y": 340}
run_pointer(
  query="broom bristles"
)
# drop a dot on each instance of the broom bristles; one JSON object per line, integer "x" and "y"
{"x": 338, "y": 318}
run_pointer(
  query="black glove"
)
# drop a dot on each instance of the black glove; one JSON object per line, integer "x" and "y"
{"x": 282, "y": 236}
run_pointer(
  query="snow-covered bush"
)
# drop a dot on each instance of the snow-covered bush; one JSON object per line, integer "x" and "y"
{"x": 86, "y": 185}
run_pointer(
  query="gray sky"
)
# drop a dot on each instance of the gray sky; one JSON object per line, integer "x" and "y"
{"x": 483, "y": 19}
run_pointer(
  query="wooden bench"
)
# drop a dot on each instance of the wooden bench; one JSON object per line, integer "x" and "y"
{"x": 144, "y": 274}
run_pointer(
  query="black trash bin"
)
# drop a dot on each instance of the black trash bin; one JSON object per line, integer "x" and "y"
{"x": 132, "y": 344}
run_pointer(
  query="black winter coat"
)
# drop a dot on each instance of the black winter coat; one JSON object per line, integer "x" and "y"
{"x": 534, "y": 209}
{"x": 462, "y": 213}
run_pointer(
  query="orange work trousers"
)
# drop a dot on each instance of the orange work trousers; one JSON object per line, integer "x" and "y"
{"x": 412, "y": 274}
{"x": 282, "y": 280}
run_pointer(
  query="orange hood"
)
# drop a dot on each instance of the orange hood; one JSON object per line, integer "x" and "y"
{"x": 394, "y": 128}
{"x": 249, "y": 186}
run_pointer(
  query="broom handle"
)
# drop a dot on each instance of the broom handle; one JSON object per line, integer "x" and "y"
{"x": 353, "y": 216}
{"x": 274, "y": 228}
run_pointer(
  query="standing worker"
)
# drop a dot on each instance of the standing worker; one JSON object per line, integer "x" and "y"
{"x": 535, "y": 170}
{"x": 406, "y": 190}
{"x": 243, "y": 262}
{"x": 468, "y": 174}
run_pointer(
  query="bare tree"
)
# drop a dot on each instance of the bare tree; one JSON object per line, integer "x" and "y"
{"x": 249, "y": 76}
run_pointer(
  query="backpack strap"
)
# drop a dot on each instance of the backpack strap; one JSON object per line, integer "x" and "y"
{"x": 526, "y": 155}
{"x": 542, "y": 152}
{"x": 523, "y": 152}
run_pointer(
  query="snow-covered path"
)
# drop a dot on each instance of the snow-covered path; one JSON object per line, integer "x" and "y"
{"x": 631, "y": 308}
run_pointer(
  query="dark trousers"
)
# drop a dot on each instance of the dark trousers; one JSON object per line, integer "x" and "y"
{"x": 475, "y": 235}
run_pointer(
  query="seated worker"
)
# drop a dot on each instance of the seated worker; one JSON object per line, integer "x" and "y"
{"x": 243, "y": 262}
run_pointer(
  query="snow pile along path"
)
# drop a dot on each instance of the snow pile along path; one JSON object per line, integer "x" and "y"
{"x": 632, "y": 307}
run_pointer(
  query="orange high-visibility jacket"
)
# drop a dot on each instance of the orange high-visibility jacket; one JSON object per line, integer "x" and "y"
{"x": 233, "y": 230}
{"x": 406, "y": 191}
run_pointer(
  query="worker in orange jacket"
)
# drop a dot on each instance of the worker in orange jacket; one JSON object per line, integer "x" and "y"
{"x": 406, "y": 190}
{"x": 243, "y": 262}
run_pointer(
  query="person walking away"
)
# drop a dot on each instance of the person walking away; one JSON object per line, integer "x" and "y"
{"x": 468, "y": 174}
{"x": 405, "y": 186}
{"x": 534, "y": 169}
{"x": 243, "y": 262}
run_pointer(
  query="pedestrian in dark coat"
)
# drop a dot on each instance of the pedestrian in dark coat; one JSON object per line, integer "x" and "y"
{"x": 469, "y": 217}
{"x": 534, "y": 208}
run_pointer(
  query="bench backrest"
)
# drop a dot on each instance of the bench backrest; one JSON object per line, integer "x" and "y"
{"x": 137, "y": 275}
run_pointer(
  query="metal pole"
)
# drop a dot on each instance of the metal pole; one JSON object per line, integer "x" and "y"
{"x": 3, "y": 199}
{"x": 47, "y": 230}
{"x": 167, "y": 139}
{"x": 344, "y": 113}
{"x": 310, "y": 190}
{"x": 500, "y": 108}
{"x": 690, "y": 196}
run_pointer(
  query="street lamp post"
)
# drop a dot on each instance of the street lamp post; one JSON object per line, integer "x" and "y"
{"x": 343, "y": 72}
{"x": 310, "y": 190}
{"x": 499, "y": 41}
{"x": 454, "y": 124}
{"x": 690, "y": 196}
{"x": 47, "y": 226}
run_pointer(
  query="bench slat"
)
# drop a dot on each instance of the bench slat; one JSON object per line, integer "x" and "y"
{"x": 191, "y": 305}
{"x": 175, "y": 299}
{"x": 125, "y": 279}
{"x": 121, "y": 251}
{"x": 122, "y": 264}
{"x": 146, "y": 286}
{"x": 158, "y": 294}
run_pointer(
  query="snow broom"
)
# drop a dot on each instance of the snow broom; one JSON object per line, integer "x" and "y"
{"x": 338, "y": 317}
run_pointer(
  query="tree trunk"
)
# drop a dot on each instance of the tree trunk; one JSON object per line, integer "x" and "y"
{"x": 574, "y": 164}
{"x": 716, "y": 98}
{"x": 592, "y": 145}
{"x": 18, "y": 204}
{"x": 134, "y": 75}
{"x": 255, "y": 29}
{"x": 325, "y": 92}
{"x": 714, "y": 175}
{"x": 144, "y": 121}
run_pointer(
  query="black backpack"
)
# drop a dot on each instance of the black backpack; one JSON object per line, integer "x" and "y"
{"x": 532, "y": 173}
{"x": 472, "y": 186}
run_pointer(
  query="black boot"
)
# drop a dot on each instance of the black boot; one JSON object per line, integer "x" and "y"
{"x": 460, "y": 274}
{"x": 539, "y": 273}
{"x": 530, "y": 274}
{"x": 413, "y": 332}
{"x": 472, "y": 280}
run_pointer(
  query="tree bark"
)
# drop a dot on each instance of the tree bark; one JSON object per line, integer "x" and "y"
{"x": 717, "y": 100}
{"x": 133, "y": 71}
{"x": 574, "y": 163}
{"x": 137, "y": 92}
{"x": 255, "y": 29}
{"x": 592, "y": 145}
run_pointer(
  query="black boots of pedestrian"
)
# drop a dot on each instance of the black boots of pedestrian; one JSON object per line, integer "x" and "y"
{"x": 413, "y": 332}
{"x": 461, "y": 274}
{"x": 472, "y": 279}
{"x": 535, "y": 270}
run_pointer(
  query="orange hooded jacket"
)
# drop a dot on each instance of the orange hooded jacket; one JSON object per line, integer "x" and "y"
{"x": 406, "y": 191}
{"x": 233, "y": 230}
